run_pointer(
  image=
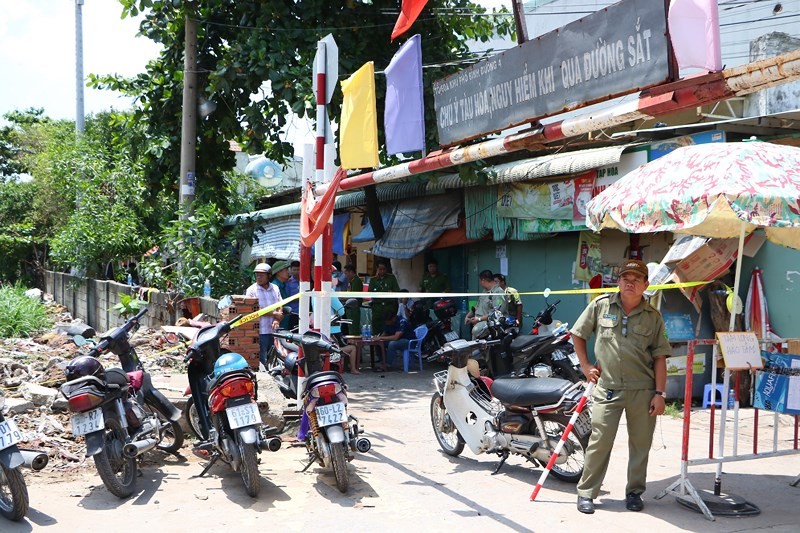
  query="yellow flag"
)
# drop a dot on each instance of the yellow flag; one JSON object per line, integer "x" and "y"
{"x": 358, "y": 139}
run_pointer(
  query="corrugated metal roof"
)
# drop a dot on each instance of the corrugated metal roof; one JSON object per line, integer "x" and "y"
{"x": 538, "y": 167}
{"x": 386, "y": 193}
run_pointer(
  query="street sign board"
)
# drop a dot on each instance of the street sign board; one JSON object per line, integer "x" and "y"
{"x": 331, "y": 55}
{"x": 617, "y": 50}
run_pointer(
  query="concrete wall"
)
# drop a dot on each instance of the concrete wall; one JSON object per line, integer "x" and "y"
{"x": 93, "y": 300}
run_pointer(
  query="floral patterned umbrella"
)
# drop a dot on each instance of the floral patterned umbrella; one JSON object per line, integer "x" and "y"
{"x": 710, "y": 190}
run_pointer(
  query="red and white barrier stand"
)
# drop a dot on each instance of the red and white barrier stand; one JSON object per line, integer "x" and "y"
{"x": 578, "y": 409}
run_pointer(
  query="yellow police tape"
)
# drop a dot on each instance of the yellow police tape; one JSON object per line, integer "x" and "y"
{"x": 348, "y": 294}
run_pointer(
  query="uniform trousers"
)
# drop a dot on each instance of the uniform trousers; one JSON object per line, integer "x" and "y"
{"x": 606, "y": 416}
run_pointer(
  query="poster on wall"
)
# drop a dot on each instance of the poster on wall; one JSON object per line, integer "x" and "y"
{"x": 553, "y": 200}
{"x": 589, "y": 261}
{"x": 660, "y": 149}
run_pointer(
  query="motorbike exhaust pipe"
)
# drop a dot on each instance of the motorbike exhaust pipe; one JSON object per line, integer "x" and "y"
{"x": 34, "y": 460}
{"x": 272, "y": 444}
{"x": 363, "y": 444}
{"x": 134, "y": 449}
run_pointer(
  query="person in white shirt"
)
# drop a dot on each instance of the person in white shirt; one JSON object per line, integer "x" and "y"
{"x": 267, "y": 294}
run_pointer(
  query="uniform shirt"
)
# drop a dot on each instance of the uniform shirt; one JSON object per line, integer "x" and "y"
{"x": 266, "y": 296}
{"x": 438, "y": 284}
{"x": 386, "y": 284}
{"x": 626, "y": 345}
{"x": 485, "y": 303}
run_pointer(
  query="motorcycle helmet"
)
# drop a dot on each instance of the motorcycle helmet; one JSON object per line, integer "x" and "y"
{"x": 82, "y": 366}
{"x": 229, "y": 362}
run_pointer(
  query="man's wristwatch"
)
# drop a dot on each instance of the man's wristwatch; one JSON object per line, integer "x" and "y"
{"x": 661, "y": 393}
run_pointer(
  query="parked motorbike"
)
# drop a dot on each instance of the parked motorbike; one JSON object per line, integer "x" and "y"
{"x": 330, "y": 432}
{"x": 285, "y": 359}
{"x": 119, "y": 411}
{"x": 13, "y": 491}
{"x": 525, "y": 417}
{"x": 222, "y": 410}
{"x": 440, "y": 330}
{"x": 547, "y": 352}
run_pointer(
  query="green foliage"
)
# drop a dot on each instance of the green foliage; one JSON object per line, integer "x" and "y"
{"x": 128, "y": 305}
{"x": 254, "y": 61}
{"x": 21, "y": 316}
{"x": 91, "y": 202}
{"x": 674, "y": 409}
{"x": 12, "y": 164}
{"x": 192, "y": 250}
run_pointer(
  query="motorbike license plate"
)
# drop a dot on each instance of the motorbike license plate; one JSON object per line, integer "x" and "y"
{"x": 330, "y": 414}
{"x": 88, "y": 422}
{"x": 450, "y": 336}
{"x": 243, "y": 415}
{"x": 573, "y": 358}
{"x": 583, "y": 424}
{"x": 9, "y": 434}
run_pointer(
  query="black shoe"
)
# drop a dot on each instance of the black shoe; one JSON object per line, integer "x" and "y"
{"x": 634, "y": 502}
{"x": 585, "y": 505}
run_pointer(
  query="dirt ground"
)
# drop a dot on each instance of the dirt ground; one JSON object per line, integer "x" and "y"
{"x": 404, "y": 483}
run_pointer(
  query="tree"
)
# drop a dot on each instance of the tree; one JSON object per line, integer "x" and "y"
{"x": 255, "y": 58}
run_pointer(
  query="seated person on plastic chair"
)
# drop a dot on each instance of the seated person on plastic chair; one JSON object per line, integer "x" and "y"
{"x": 397, "y": 332}
{"x": 338, "y": 309}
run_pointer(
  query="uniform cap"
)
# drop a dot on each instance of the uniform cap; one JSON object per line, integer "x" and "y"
{"x": 634, "y": 265}
{"x": 280, "y": 265}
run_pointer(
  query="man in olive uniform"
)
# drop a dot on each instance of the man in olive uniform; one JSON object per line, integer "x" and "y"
{"x": 382, "y": 308}
{"x": 631, "y": 374}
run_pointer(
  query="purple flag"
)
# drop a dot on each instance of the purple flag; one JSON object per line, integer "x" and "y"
{"x": 404, "y": 118}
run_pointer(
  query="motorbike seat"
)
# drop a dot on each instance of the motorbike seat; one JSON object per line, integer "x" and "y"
{"x": 525, "y": 342}
{"x": 320, "y": 378}
{"x": 117, "y": 376}
{"x": 529, "y": 392}
{"x": 243, "y": 373}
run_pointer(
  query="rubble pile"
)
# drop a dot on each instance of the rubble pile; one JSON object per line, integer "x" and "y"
{"x": 32, "y": 370}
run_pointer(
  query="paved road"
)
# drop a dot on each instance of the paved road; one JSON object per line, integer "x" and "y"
{"x": 405, "y": 483}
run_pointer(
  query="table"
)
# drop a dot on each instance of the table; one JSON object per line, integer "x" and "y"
{"x": 360, "y": 342}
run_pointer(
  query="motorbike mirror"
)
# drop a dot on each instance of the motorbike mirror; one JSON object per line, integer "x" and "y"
{"x": 546, "y": 293}
{"x": 224, "y": 302}
{"x": 79, "y": 340}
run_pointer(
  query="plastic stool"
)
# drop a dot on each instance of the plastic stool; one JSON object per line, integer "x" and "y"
{"x": 718, "y": 396}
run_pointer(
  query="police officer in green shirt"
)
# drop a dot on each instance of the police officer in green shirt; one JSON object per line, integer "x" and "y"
{"x": 631, "y": 374}
{"x": 382, "y": 308}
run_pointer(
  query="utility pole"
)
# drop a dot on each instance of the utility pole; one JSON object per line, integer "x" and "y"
{"x": 189, "y": 124}
{"x": 79, "y": 124}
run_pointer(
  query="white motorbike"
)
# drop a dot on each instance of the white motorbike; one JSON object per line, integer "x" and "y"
{"x": 525, "y": 417}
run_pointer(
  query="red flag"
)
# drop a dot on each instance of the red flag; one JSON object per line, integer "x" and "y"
{"x": 315, "y": 213}
{"x": 409, "y": 12}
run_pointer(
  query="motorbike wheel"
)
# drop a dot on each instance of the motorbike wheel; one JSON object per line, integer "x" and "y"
{"x": 564, "y": 370}
{"x": 449, "y": 438}
{"x": 574, "y": 447}
{"x": 171, "y": 432}
{"x": 340, "y": 467}
{"x": 13, "y": 494}
{"x": 192, "y": 418}
{"x": 249, "y": 467}
{"x": 117, "y": 471}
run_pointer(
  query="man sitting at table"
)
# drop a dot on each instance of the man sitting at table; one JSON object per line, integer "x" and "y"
{"x": 397, "y": 332}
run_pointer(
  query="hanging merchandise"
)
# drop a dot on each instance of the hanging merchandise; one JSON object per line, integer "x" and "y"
{"x": 589, "y": 260}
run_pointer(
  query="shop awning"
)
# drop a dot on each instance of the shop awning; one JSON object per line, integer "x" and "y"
{"x": 277, "y": 239}
{"x": 538, "y": 167}
{"x": 417, "y": 223}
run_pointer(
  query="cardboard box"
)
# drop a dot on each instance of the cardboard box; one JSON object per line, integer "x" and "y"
{"x": 793, "y": 346}
{"x": 778, "y": 384}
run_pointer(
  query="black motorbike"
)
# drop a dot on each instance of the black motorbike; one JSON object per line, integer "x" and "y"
{"x": 119, "y": 411}
{"x": 549, "y": 354}
{"x": 13, "y": 491}
{"x": 223, "y": 409}
{"x": 440, "y": 330}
